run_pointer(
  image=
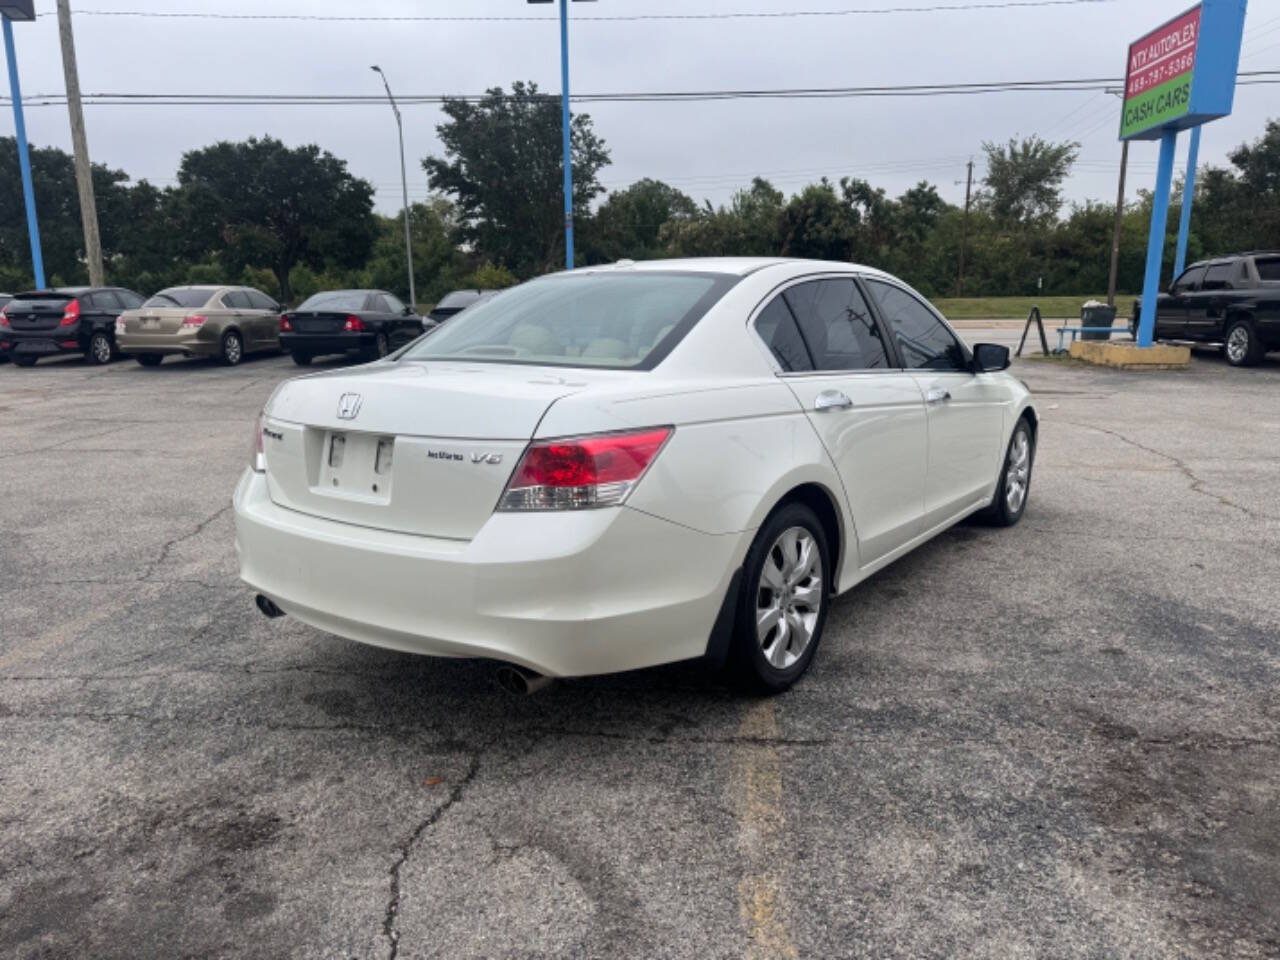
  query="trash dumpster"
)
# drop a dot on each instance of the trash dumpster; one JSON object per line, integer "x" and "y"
{"x": 1095, "y": 314}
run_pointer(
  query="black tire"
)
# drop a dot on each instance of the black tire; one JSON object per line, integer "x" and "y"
{"x": 24, "y": 361}
{"x": 301, "y": 359}
{"x": 747, "y": 663}
{"x": 1002, "y": 512}
{"x": 381, "y": 347}
{"x": 1133, "y": 328}
{"x": 149, "y": 359}
{"x": 1242, "y": 347}
{"x": 101, "y": 349}
{"x": 232, "y": 349}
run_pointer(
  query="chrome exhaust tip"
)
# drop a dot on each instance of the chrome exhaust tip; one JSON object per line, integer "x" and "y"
{"x": 520, "y": 682}
{"x": 268, "y": 607}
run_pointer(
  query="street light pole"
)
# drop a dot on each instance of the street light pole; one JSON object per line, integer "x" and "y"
{"x": 565, "y": 120}
{"x": 404, "y": 187}
{"x": 20, "y": 133}
{"x": 566, "y": 128}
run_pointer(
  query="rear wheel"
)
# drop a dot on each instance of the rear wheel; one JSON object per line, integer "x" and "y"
{"x": 381, "y": 347}
{"x": 24, "y": 361}
{"x": 783, "y": 605}
{"x": 301, "y": 358}
{"x": 149, "y": 359}
{"x": 1243, "y": 348}
{"x": 232, "y": 349}
{"x": 100, "y": 349}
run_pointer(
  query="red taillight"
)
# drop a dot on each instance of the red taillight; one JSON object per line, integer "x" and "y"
{"x": 4, "y": 317}
{"x": 71, "y": 314}
{"x": 285, "y": 325}
{"x": 194, "y": 320}
{"x": 583, "y": 472}
{"x": 354, "y": 325}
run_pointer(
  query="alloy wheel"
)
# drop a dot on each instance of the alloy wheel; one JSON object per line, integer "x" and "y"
{"x": 1238, "y": 344}
{"x": 231, "y": 349}
{"x": 100, "y": 348}
{"x": 789, "y": 597}
{"x": 1018, "y": 472}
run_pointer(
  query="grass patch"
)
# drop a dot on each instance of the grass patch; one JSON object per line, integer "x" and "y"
{"x": 983, "y": 308}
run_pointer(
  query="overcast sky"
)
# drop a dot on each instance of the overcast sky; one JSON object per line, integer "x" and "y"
{"x": 706, "y": 149}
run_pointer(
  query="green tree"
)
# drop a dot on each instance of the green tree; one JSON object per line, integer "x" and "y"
{"x": 1239, "y": 209}
{"x": 437, "y": 263}
{"x": 259, "y": 202}
{"x": 503, "y": 167}
{"x": 749, "y": 227}
{"x": 629, "y": 222}
{"x": 816, "y": 225}
{"x": 1024, "y": 179}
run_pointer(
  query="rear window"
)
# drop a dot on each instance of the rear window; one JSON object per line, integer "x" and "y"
{"x": 458, "y": 299}
{"x": 1268, "y": 268}
{"x": 180, "y": 297}
{"x": 335, "y": 300}
{"x": 617, "y": 320}
{"x": 54, "y": 301}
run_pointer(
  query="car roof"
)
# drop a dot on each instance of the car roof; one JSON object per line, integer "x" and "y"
{"x": 739, "y": 266}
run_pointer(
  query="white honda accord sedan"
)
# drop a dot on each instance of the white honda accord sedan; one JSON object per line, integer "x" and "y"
{"x": 629, "y": 465}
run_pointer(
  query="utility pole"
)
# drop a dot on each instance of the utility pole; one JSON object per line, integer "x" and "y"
{"x": 404, "y": 187}
{"x": 80, "y": 147}
{"x": 964, "y": 229}
{"x": 1115, "y": 234}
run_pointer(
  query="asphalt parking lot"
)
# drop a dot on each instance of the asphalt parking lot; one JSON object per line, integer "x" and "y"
{"x": 1059, "y": 740}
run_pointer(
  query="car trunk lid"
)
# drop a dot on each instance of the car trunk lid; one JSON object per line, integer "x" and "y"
{"x": 152, "y": 320}
{"x": 37, "y": 311}
{"x": 323, "y": 321}
{"x": 421, "y": 448}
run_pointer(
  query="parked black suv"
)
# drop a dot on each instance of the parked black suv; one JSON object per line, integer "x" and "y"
{"x": 41, "y": 323}
{"x": 1232, "y": 300}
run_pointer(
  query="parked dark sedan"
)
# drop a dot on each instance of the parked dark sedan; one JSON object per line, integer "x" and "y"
{"x": 42, "y": 323}
{"x": 455, "y": 302}
{"x": 1232, "y": 300}
{"x": 368, "y": 323}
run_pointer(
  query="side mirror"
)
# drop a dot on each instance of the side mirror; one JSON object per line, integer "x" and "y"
{"x": 990, "y": 357}
{"x": 407, "y": 311}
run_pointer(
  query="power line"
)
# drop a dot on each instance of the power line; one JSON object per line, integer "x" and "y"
{"x": 588, "y": 18}
{"x": 1245, "y": 78}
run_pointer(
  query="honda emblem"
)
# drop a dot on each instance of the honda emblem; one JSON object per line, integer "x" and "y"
{"x": 348, "y": 406}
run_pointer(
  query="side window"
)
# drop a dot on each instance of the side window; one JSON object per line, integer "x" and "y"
{"x": 259, "y": 300}
{"x": 777, "y": 328}
{"x": 923, "y": 340}
{"x": 106, "y": 300}
{"x": 129, "y": 299}
{"x": 393, "y": 304}
{"x": 235, "y": 300}
{"x": 837, "y": 326}
{"x": 1268, "y": 268}
{"x": 1189, "y": 281}
{"x": 1215, "y": 278}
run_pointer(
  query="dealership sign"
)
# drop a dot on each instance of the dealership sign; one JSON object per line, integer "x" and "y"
{"x": 1183, "y": 72}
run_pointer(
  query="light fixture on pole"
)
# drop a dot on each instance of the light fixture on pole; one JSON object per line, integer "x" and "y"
{"x": 404, "y": 187}
{"x": 11, "y": 10}
{"x": 566, "y": 130}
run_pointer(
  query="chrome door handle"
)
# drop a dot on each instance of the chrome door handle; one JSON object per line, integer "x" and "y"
{"x": 832, "y": 400}
{"x": 937, "y": 395}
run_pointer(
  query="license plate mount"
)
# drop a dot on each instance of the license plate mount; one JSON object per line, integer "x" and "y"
{"x": 356, "y": 466}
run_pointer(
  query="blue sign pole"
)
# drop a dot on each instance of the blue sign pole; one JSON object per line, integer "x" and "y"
{"x": 1155, "y": 239}
{"x": 24, "y": 162}
{"x": 567, "y": 145}
{"x": 1188, "y": 194}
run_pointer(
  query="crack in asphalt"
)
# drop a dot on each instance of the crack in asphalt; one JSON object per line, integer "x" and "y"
{"x": 389, "y": 929}
{"x": 62, "y": 443}
{"x": 170, "y": 544}
{"x": 1198, "y": 485}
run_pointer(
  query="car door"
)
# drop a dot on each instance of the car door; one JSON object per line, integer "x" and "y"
{"x": 868, "y": 412}
{"x": 96, "y": 313}
{"x": 266, "y": 317}
{"x": 398, "y": 322}
{"x": 1205, "y": 306}
{"x": 965, "y": 410}
{"x": 1171, "y": 311}
{"x": 1264, "y": 292}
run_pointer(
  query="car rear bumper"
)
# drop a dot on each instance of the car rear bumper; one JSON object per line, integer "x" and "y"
{"x": 565, "y": 594}
{"x": 321, "y": 343}
{"x": 188, "y": 343}
{"x": 40, "y": 343}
